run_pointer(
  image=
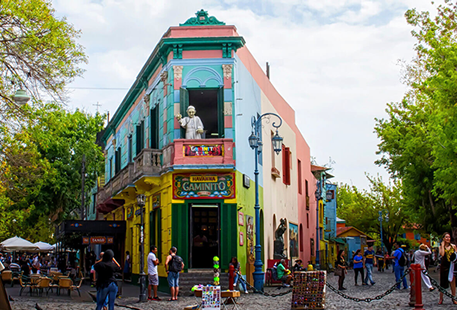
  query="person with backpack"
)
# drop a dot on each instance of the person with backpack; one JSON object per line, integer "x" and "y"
{"x": 448, "y": 257}
{"x": 173, "y": 265}
{"x": 399, "y": 266}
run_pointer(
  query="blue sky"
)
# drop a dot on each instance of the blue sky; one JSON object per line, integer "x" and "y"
{"x": 334, "y": 61}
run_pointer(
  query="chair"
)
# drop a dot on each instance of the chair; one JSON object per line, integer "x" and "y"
{"x": 65, "y": 283}
{"x": 77, "y": 287}
{"x": 24, "y": 285}
{"x": 7, "y": 276}
{"x": 16, "y": 277}
{"x": 42, "y": 283}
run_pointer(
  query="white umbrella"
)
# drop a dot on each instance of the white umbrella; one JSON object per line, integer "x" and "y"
{"x": 17, "y": 244}
{"x": 44, "y": 247}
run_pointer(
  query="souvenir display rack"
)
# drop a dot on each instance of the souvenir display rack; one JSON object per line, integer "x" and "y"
{"x": 309, "y": 290}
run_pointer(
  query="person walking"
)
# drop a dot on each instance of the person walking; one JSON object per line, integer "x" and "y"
{"x": 153, "y": 276}
{"x": 106, "y": 283}
{"x": 419, "y": 258}
{"x": 341, "y": 263}
{"x": 173, "y": 265}
{"x": 236, "y": 265}
{"x": 448, "y": 257}
{"x": 399, "y": 265}
{"x": 358, "y": 266}
{"x": 369, "y": 263}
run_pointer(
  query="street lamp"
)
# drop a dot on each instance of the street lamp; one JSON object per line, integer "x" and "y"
{"x": 386, "y": 218}
{"x": 256, "y": 144}
{"x": 141, "y": 203}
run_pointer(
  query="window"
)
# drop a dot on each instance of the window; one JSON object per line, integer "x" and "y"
{"x": 139, "y": 137}
{"x": 117, "y": 160}
{"x": 307, "y": 194}
{"x": 312, "y": 246}
{"x": 111, "y": 167}
{"x": 130, "y": 148}
{"x": 300, "y": 190}
{"x": 286, "y": 165}
{"x": 209, "y": 106}
{"x": 154, "y": 127}
{"x": 301, "y": 238}
{"x": 94, "y": 199}
{"x": 307, "y": 220}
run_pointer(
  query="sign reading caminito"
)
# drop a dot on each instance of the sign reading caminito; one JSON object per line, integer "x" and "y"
{"x": 204, "y": 186}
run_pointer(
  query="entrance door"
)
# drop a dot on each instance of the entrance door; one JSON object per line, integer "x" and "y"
{"x": 204, "y": 235}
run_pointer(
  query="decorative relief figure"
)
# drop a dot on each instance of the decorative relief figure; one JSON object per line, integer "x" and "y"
{"x": 177, "y": 72}
{"x": 192, "y": 123}
{"x": 164, "y": 77}
{"x": 227, "y": 71}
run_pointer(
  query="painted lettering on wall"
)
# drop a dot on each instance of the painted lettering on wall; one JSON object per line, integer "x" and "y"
{"x": 204, "y": 150}
{"x": 199, "y": 186}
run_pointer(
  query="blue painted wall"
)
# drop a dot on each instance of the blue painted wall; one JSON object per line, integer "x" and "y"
{"x": 330, "y": 214}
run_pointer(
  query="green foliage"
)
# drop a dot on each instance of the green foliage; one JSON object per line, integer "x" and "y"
{"x": 46, "y": 186}
{"x": 361, "y": 208}
{"x": 419, "y": 138}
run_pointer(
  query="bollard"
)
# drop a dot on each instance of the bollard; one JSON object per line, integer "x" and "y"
{"x": 416, "y": 289}
{"x": 231, "y": 276}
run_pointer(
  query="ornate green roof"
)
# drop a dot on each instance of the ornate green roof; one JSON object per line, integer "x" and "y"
{"x": 202, "y": 19}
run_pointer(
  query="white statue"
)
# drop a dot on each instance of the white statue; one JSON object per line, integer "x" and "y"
{"x": 192, "y": 123}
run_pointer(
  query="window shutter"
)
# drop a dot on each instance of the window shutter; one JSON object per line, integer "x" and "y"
{"x": 284, "y": 164}
{"x": 183, "y": 104}
{"x": 220, "y": 112}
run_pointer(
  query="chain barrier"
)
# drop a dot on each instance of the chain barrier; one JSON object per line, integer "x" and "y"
{"x": 262, "y": 292}
{"x": 441, "y": 289}
{"x": 379, "y": 297}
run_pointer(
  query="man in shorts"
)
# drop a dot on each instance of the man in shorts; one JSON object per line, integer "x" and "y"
{"x": 153, "y": 276}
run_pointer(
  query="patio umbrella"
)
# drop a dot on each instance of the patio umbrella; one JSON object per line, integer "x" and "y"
{"x": 17, "y": 244}
{"x": 44, "y": 247}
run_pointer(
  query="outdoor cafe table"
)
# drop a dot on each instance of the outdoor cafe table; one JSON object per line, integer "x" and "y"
{"x": 229, "y": 296}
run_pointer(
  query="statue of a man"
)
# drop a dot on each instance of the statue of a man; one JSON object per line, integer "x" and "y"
{"x": 192, "y": 123}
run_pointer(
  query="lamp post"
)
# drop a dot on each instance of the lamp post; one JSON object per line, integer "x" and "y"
{"x": 141, "y": 203}
{"x": 381, "y": 213}
{"x": 256, "y": 144}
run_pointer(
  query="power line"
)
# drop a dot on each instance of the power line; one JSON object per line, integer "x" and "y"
{"x": 103, "y": 88}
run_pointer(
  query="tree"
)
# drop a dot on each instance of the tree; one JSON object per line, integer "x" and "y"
{"x": 38, "y": 52}
{"x": 47, "y": 185}
{"x": 418, "y": 140}
{"x": 361, "y": 208}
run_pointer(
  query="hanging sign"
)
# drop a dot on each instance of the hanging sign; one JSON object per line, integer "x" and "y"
{"x": 98, "y": 240}
{"x": 204, "y": 186}
{"x": 204, "y": 150}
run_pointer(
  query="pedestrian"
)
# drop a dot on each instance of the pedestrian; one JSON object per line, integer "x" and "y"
{"x": 380, "y": 260}
{"x": 358, "y": 267}
{"x": 236, "y": 265}
{"x": 399, "y": 266}
{"x": 126, "y": 271}
{"x": 369, "y": 263}
{"x": 419, "y": 258}
{"x": 341, "y": 264}
{"x": 173, "y": 265}
{"x": 153, "y": 276}
{"x": 106, "y": 283}
{"x": 284, "y": 275}
{"x": 387, "y": 260}
{"x": 448, "y": 256}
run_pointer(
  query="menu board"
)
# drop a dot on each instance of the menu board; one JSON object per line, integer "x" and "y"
{"x": 309, "y": 290}
{"x": 211, "y": 297}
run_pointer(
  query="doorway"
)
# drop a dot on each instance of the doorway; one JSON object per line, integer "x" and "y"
{"x": 204, "y": 235}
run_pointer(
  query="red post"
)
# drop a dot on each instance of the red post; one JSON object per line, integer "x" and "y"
{"x": 416, "y": 269}
{"x": 231, "y": 276}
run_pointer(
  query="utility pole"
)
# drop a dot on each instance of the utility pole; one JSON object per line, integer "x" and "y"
{"x": 83, "y": 177}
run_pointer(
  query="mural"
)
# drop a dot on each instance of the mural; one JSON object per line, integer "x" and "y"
{"x": 293, "y": 240}
{"x": 250, "y": 238}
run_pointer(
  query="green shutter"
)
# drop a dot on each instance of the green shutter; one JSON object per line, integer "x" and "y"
{"x": 180, "y": 231}
{"x": 220, "y": 112}
{"x": 183, "y": 104}
{"x": 228, "y": 233}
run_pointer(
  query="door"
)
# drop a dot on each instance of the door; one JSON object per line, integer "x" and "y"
{"x": 204, "y": 237}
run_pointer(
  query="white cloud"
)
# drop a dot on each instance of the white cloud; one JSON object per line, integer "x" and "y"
{"x": 334, "y": 61}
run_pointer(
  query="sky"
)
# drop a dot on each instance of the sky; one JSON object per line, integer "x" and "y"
{"x": 336, "y": 62}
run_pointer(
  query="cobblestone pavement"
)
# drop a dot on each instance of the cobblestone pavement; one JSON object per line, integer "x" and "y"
{"x": 397, "y": 300}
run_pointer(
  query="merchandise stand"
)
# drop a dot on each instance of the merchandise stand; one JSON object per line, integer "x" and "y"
{"x": 309, "y": 290}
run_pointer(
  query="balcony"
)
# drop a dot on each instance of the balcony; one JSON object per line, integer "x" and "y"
{"x": 147, "y": 163}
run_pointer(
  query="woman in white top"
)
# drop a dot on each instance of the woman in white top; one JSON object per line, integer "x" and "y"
{"x": 419, "y": 258}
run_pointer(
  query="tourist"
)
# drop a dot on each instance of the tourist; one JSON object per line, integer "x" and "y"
{"x": 358, "y": 266}
{"x": 380, "y": 260}
{"x": 369, "y": 261}
{"x": 106, "y": 283}
{"x": 153, "y": 276}
{"x": 284, "y": 275}
{"x": 173, "y": 265}
{"x": 341, "y": 264}
{"x": 236, "y": 265}
{"x": 126, "y": 271}
{"x": 399, "y": 266}
{"x": 448, "y": 257}
{"x": 419, "y": 258}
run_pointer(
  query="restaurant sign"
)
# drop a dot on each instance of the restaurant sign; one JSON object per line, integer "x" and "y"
{"x": 98, "y": 240}
{"x": 204, "y": 150}
{"x": 204, "y": 186}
